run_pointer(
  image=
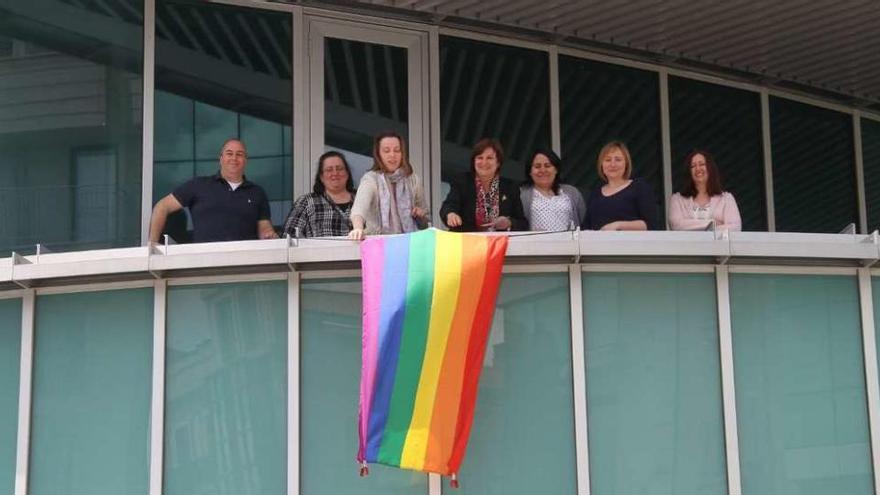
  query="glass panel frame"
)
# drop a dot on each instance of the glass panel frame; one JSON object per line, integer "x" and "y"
{"x": 635, "y": 396}
{"x": 800, "y": 384}
{"x": 416, "y": 44}
{"x": 91, "y": 392}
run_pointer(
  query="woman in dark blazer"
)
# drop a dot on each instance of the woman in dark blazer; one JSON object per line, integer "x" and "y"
{"x": 481, "y": 200}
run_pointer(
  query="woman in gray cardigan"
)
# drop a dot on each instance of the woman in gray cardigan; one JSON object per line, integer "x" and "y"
{"x": 547, "y": 204}
{"x": 389, "y": 199}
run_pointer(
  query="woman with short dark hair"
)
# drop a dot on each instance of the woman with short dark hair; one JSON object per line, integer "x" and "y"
{"x": 548, "y": 204}
{"x": 482, "y": 200}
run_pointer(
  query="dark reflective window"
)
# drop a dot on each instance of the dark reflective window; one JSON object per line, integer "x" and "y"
{"x": 814, "y": 185}
{"x": 365, "y": 92}
{"x": 489, "y": 90}
{"x": 871, "y": 159}
{"x": 602, "y": 102}
{"x": 725, "y": 122}
{"x": 222, "y": 72}
{"x": 70, "y": 125}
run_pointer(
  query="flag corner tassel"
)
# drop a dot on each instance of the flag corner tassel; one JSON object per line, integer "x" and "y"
{"x": 453, "y": 482}
{"x": 365, "y": 470}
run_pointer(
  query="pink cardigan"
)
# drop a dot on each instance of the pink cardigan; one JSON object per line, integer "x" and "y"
{"x": 722, "y": 207}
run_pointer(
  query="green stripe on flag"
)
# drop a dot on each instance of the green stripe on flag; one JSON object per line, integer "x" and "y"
{"x": 419, "y": 291}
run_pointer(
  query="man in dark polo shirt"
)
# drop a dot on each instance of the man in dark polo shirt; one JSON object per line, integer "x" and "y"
{"x": 224, "y": 206}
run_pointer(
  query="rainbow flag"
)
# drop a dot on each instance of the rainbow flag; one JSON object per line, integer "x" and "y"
{"x": 429, "y": 297}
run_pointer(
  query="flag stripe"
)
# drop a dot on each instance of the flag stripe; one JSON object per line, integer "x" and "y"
{"x": 477, "y": 348}
{"x": 391, "y": 317}
{"x": 372, "y": 290}
{"x": 449, "y": 388}
{"x": 419, "y": 290}
{"x": 447, "y": 279}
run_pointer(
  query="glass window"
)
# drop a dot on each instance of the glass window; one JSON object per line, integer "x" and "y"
{"x": 814, "y": 173}
{"x": 226, "y": 389}
{"x": 601, "y": 102}
{"x": 489, "y": 90}
{"x": 725, "y": 122}
{"x": 365, "y": 92}
{"x": 330, "y": 329}
{"x": 222, "y": 72}
{"x": 71, "y": 126}
{"x": 653, "y": 384}
{"x": 522, "y": 440}
{"x": 10, "y": 350}
{"x": 92, "y": 380}
{"x": 800, "y": 385}
{"x": 871, "y": 159}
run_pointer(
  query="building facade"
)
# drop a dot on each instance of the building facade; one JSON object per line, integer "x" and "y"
{"x": 660, "y": 362}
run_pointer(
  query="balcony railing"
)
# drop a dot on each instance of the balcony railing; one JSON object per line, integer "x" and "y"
{"x": 576, "y": 247}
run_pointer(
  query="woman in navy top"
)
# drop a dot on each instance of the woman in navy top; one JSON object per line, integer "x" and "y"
{"x": 621, "y": 203}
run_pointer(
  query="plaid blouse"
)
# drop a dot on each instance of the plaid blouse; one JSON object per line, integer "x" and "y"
{"x": 315, "y": 215}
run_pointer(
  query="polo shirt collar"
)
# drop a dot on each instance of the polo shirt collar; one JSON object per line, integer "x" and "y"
{"x": 244, "y": 181}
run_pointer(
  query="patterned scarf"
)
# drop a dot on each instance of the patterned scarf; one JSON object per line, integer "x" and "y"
{"x": 487, "y": 203}
{"x": 401, "y": 197}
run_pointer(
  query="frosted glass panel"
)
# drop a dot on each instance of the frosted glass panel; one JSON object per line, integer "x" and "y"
{"x": 91, "y": 393}
{"x": 10, "y": 350}
{"x": 522, "y": 442}
{"x": 800, "y": 386}
{"x": 226, "y": 389}
{"x": 330, "y": 376}
{"x": 653, "y": 384}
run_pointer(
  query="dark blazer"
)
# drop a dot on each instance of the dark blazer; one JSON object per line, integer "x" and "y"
{"x": 462, "y": 199}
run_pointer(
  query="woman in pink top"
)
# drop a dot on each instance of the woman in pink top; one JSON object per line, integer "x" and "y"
{"x": 702, "y": 199}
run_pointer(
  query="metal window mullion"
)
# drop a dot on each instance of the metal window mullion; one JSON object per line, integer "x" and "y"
{"x": 300, "y": 160}
{"x": 872, "y": 383}
{"x": 293, "y": 389}
{"x": 861, "y": 193}
{"x": 148, "y": 102}
{"x": 434, "y": 111}
{"x": 555, "y": 114}
{"x": 666, "y": 141}
{"x": 768, "y": 160}
{"x": 25, "y": 389}
{"x": 435, "y": 484}
{"x": 314, "y": 44}
{"x": 579, "y": 381}
{"x": 157, "y": 405}
{"x": 728, "y": 390}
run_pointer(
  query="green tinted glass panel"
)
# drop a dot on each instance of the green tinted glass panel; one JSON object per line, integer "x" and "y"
{"x": 726, "y": 123}
{"x": 330, "y": 370}
{"x": 875, "y": 292}
{"x": 212, "y": 86}
{"x": 800, "y": 385}
{"x": 871, "y": 159}
{"x": 653, "y": 384}
{"x": 71, "y": 127}
{"x": 522, "y": 440}
{"x": 91, "y": 393}
{"x": 10, "y": 350}
{"x": 226, "y": 389}
{"x": 599, "y": 103}
{"x": 496, "y": 91}
{"x": 814, "y": 173}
